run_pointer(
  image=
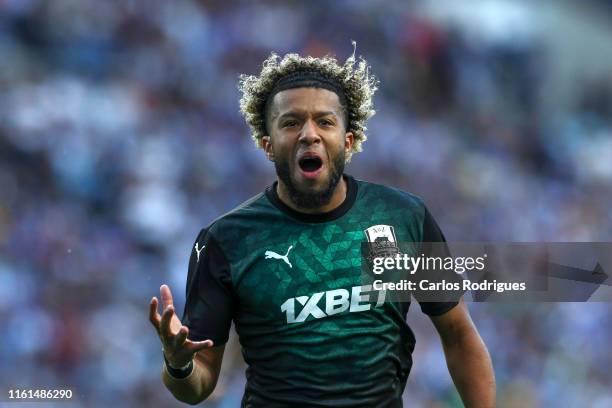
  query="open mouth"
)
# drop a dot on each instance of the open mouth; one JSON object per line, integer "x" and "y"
{"x": 310, "y": 163}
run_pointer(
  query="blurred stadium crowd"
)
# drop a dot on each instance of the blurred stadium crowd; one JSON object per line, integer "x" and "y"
{"x": 120, "y": 138}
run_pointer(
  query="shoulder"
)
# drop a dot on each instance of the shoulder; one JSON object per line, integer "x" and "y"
{"x": 390, "y": 195}
{"x": 239, "y": 217}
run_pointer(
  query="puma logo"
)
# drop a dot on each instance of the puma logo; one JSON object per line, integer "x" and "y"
{"x": 198, "y": 250}
{"x": 274, "y": 255}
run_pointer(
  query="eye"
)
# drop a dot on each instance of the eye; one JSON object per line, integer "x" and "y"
{"x": 326, "y": 122}
{"x": 290, "y": 123}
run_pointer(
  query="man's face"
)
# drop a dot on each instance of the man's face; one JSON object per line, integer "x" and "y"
{"x": 308, "y": 143}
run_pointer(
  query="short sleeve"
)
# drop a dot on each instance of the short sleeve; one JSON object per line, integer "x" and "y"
{"x": 209, "y": 304}
{"x": 429, "y": 248}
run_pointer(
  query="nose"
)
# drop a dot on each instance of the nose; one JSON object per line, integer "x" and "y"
{"x": 308, "y": 134}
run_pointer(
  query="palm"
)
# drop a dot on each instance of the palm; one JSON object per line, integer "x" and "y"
{"x": 175, "y": 324}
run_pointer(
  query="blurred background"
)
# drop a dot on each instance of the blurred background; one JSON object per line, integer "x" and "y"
{"x": 120, "y": 137}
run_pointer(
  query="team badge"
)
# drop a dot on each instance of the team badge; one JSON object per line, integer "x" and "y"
{"x": 382, "y": 241}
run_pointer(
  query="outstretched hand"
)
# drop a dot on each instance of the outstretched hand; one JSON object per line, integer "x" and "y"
{"x": 179, "y": 350}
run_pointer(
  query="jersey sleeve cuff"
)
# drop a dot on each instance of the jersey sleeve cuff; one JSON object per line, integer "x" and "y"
{"x": 437, "y": 308}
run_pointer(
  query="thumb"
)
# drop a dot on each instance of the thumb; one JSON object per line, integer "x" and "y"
{"x": 196, "y": 346}
{"x": 166, "y": 296}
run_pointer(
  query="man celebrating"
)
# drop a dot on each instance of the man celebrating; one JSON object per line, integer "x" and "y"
{"x": 285, "y": 265}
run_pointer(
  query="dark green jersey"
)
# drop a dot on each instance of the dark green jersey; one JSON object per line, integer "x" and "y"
{"x": 311, "y": 333}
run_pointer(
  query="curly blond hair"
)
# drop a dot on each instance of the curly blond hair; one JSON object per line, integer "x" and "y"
{"x": 356, "y": 81}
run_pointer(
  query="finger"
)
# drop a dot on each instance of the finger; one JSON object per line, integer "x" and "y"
{"x": 166, "y": 296}
{"x": 195, "y": 346}
{"x": 165, "y": 323}
{"x": 154, "y": 317}
{"x": 181, "y": 336}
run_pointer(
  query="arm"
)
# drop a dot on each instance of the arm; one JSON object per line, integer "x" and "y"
{"x": 179, "y": 351}
{"x": 206, "y": 322}
{"x": 198, "y": 386}
{"x": 467, "y": 357}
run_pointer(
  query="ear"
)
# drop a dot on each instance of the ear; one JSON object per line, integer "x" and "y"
{"x": 266, "y": 145}
{"x": 349, "y": 139}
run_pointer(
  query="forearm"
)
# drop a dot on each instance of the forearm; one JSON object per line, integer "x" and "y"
{"x": 194, "y": 388}
{"x": 471, "y": 369}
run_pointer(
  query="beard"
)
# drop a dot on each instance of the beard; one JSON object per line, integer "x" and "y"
{"x": 311, "y": 199}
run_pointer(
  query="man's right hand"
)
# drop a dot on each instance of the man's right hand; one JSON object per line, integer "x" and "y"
{"x": 179, "y": 350}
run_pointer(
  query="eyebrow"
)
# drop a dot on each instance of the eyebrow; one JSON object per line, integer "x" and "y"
{"x": 300, "y": 114}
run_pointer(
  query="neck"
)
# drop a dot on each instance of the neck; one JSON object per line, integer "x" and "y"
{"x": 338, "y": 197}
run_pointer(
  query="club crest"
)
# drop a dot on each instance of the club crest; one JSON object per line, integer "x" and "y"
{"x": 382, "y": 241}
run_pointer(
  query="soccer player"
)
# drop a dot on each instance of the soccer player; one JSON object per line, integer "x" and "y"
{"x": 285, "y": 265}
